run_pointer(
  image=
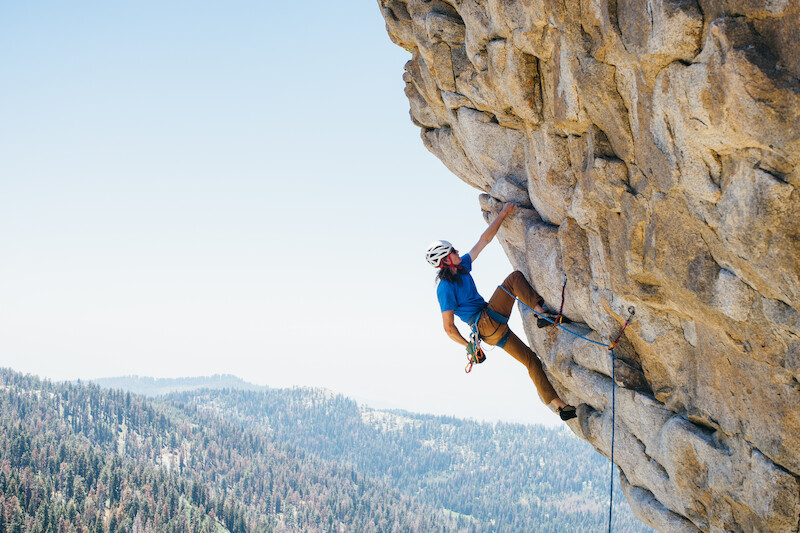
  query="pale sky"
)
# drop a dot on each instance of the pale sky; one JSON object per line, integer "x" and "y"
{"x": 191, "y": 188}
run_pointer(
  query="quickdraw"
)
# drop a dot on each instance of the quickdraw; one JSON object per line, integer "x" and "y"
{"x": 632, "y": 311}
{"x": 475, "y": 353}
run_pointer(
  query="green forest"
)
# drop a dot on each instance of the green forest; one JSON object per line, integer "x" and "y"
{"x": 75, "y": 457}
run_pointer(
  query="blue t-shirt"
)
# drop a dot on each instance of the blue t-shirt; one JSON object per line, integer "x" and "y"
{"x": 462, "y": 298}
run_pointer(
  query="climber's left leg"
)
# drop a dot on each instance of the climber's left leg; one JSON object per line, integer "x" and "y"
{"x": 527, "y": 357}
{"x": 498, "y": 334}
{"x": 516, "y": 284}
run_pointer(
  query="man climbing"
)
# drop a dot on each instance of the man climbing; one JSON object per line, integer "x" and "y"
{"x": 458, "y": 296}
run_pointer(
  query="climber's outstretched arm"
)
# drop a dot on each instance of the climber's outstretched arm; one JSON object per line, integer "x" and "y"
{"x": 448, "y": 320}
{"x": 491, "y": 231}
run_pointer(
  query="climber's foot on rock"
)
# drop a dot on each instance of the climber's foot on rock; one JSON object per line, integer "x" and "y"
{"x": 567, "y": 412}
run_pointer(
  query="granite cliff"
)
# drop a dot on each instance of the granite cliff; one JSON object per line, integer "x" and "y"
{"x": 654, "y": 147}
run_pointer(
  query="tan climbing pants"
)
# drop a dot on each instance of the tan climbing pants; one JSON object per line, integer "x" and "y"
{"x": 493, "y": 332}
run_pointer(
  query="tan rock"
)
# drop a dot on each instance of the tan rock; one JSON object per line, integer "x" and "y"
{"x": 654, "y": 149}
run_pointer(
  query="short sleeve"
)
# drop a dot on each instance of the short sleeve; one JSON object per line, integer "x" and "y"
{"x": 466, "y": 262}
{"x": 447, "y": 296}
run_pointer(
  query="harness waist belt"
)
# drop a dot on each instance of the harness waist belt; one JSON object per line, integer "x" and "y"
{"x": 494, "y": 315}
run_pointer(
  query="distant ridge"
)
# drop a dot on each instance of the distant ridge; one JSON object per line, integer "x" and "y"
{"x": 148, "y": 386}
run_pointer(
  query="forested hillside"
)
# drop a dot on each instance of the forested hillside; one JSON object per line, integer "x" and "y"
{"x": 75, "y": 457}
{"x": 509, "y": 477}
{"x": 79, "y": 458}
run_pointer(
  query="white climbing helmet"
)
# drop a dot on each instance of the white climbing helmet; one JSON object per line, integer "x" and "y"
{"x": 437, "y": 251}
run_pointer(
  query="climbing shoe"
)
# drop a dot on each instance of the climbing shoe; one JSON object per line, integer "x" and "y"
{"x": 567, "y": 413}
{"x": 544, "y": 322}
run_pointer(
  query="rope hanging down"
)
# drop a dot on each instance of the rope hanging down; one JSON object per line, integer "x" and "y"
{"x": 557, "y": 322}
{"x": 631, "y": 311}
{"x": 613, "y": 427}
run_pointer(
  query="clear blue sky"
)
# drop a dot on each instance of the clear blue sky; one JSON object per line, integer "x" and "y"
{"x": 191, "y": 188}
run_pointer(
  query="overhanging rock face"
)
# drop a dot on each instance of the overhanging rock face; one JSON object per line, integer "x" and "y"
{"x": 654, "y": 146}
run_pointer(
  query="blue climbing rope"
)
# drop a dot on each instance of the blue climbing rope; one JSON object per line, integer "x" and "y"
{"x": 610, "y": 347}
{"x": 613, "y": 427}
{"x": 554, "y": 322}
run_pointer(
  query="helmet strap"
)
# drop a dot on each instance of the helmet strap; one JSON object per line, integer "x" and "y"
{"x": 453, "y": 268}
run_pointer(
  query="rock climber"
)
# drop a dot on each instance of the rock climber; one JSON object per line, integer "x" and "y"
{"x": 458, "y": 296}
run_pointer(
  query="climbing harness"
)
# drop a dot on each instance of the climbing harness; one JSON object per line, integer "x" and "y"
{"x": 475, "y": 353}
{"x": 557, "y": 322}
